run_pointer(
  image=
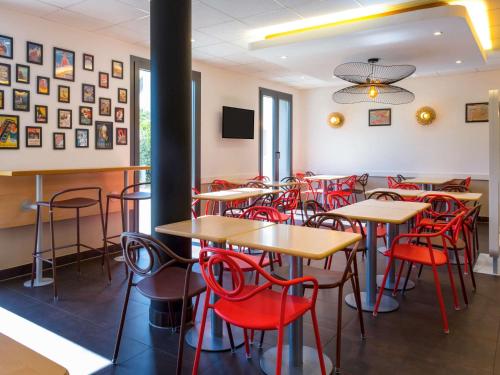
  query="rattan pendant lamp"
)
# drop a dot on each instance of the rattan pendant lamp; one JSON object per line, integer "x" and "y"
{"x": 373, "y": 83}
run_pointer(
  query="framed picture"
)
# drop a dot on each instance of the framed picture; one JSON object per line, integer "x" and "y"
{"x": 103, "y": 80}
{"x": 476, "y": 112}
{"x": 86, "y": 115}
{"x": 88, "y": 62}
{"x": 33, "y": 136}
{"x": 63, "y": 94}
{"x": 58, "y": 141}
{"x": 64, "y": 64}
{"x": 6, "y": 47}
{"x": 81, "y": 138}
{"x": 379, "y": 117}
{"x": 122, "y": 96}
{"x": 9, "y": 132}
{"x": 5, "y": 74}
{"x": 88, "y": 93}
{"x": 104, "y": 107}
{"x": 121, "y": 136}
{"x": 43, "y": 85}
{"x": 119, "y": 114}
{"x": 117, "y": 69}
{"x": 2, "y": 99}
{"x": 22, "y": 73}
{"x": 21, "y": 100}
{"x": 41, "y": 114}
{"x": 64, "y": 118}
{"x": 103, "y": 135}
{"x": 34, "y": 53}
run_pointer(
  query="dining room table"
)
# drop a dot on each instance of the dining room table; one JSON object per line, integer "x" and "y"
{"x": 461, "y": 196}
{"x": 375, "y": 212}
{"x": 426, "y": 182}
{"x": 215, "y": 229}
{"x": 324, "y": 179}
{"x": 297, "y": 242}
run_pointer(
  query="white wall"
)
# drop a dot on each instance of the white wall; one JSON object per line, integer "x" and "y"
{"x": 448, "y": 147}
{"x": 26, "y": 28}
{"x": 224, "y": 158}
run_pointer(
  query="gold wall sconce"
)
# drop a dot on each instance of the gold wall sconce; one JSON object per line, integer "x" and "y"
{"x": 336, "y": 119}
{"x": 425, "y": 115}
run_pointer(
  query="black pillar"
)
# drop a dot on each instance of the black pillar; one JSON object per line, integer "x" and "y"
{"x": 170, "y": 126}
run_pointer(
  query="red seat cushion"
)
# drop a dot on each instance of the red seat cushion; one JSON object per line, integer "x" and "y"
{"x": 262, "y": 311}
{"x": 418, "y": 254}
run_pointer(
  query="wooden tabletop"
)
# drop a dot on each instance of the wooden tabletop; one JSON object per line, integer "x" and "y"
{"x": 325, "y": 177}
{"x": 397, "y": 205}
{"x": 280, "y": 184}
{"x": 234, "y": 194}
{"x": 13, "y": 173}
{"x": 427, "y": 180}
{"x": 403, "y": 192}
{"x": 295, "y": 240}
{"x": 211, "y": 228}
{"x": 18, "y": 359}
{"x": 377, "y": 213}
{"x": 473, "y": 197}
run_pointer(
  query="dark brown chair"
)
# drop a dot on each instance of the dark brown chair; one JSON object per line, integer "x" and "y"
{"x": 312, "y": 206}
{"x": 328, "y": 279}
{"x": 169, "y": 282}
{"x": 360, "y": 186}
{"x": 66, "y": 200}
{"x": 454, "y": 188}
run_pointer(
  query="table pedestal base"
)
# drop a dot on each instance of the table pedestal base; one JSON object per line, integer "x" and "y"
{"x": 36, "y": 283}
{"x": 389, "y": 285}
{"x": 213, "y": 343}
{"x": 387, "y": 304}
{"x": 310, "y": 362}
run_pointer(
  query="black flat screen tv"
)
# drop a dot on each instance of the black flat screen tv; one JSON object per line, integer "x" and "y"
{"x": 237, "y": 123}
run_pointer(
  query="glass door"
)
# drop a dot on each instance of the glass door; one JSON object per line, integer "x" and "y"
{"x": 141, "y": 132}
{"x": 275, "y": 134}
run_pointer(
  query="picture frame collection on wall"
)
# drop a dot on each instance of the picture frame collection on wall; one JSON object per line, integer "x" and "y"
{"x": 63, "y": 69}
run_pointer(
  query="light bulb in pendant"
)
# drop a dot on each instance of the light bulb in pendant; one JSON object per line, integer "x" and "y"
{"x": 372, "y": 92}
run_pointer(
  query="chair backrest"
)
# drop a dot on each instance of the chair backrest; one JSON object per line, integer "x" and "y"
{"x": 256, "y": 184}
{"x": 151, "y": 251}
{"x": 86, "y": 190}
{"x": 400, "y": 178}
{"x": 466, "y": 182}
{"x": 347, "y": 184}
{"x": 263, "y": 200}
{"x": 363, "y": 179}
{"x": 391, "y": 181}
{"x": 312, "y": 205}
{"x": 442, "y": 205}
{"x": 336, "y": 201}
{"x": 405, "y": 186}
{"x": 310, "y": 173}
{"x": 454, "y": 188}
{"x": 261, "y": 178}
{"x": 291, "y": 179}
{"x": 385, "y": 195}
{"x": 194, "y": 202}
{"x": 218, "y": 185}
{"x": 471, "y": 217}
{"x": 287, "y": 200}
{"x": 300, "y": 175}
{"x": 330, "y": 221}
{"x": 261, "y": 213}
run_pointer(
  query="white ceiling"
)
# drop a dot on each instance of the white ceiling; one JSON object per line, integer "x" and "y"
{"x": 221, "y": 28}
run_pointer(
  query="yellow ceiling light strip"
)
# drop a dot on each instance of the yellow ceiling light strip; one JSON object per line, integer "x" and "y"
{"x": 476, "y": 9}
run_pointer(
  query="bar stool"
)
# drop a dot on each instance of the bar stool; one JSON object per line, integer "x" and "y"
{"x": 59, "y": 201}
{"x": 124, "y": 196}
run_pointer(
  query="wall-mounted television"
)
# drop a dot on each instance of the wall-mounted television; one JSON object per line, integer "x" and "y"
{"x": 237, "y": 123}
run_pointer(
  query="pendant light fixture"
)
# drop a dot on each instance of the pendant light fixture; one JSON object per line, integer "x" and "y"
{"x": 373, "y": 83}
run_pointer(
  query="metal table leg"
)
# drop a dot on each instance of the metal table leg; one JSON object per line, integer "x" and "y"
{"x": 325, "y": 186}
{"x": 368, "y": 298}
{"x": 392, "y": 231}
{"x": 297, "y": 358}
{"x": 215, "y": 338}
{"x": 120, "y": 258}
{"x": 39, "y": 279}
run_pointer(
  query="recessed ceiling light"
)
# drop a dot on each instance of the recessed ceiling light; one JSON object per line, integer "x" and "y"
{"x": 284, "y": 57}
{"x": 458, "y": 61}
{"x": 438, "y": 33}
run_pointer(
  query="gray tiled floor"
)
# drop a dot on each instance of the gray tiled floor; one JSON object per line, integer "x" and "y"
{"x": 409, "y": 341}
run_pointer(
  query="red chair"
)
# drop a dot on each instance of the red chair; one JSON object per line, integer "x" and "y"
{"x": 344, "y": 188}
{"x": 336, "y": 201}
{"x": 254, "y": 307}
{"x": 405, "y": 186}
{"x": 194, "y": 202}
{"x": 260, "y": 178}
{"x": 414, "y": 252}
{"x": 288, "y": 200}
{"x": 391, "y": 181}
{"x": 441, "y": 204}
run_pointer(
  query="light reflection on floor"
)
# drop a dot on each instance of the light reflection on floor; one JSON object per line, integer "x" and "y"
{"x": 76, "y": 359}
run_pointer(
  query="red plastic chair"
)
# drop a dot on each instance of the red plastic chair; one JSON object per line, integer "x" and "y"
{"x": 344, "y": 188}
{"x": 336, "y": 201}
{"x": 194, "y": 202}
{"x": 414, "y": 252}
{"x": 254, "y": 307}
{"x": 288, "y": 200}
{"x": 391, "y": 181}
{"x": 261, "y": 178}
{"x": 441, "y": 204}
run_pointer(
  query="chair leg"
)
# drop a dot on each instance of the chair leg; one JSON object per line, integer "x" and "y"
{"x": 78, "y": 254}
{"x": 460, "y": 274}
{"x": 473, "y": 278}
{"x": 35, "y": 253}
{"x": 420, "y": 271}
{"x": 53, "y": 246}
{"x": 182, "y": 333}
{"x": 195, "y": 309}
{"x": 357, "y": 297}
{"x": 279, "y": 351}
{"x": 202, "y": 332}
{"x": 247, "y": 346}
{"x": 381, "y": 291}
{"x": 339, "y": 330}
{"x": 105, "y": 242}
{"x": 319, "y": 348}
{"x": 440, "y": 300}
{"x": 410, "y": 266}
{"x": 453, "y": 288}
{"x": 261, "y": 342}
{"x": 122, "y": 319}
{"x": 231, "y": 339}
{"x": 396, "y": 285}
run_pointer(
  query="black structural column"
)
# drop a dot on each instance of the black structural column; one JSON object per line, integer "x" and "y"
{"x": 171, "y": 127}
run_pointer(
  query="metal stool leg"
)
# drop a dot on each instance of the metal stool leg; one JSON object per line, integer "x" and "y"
{"x": 52, "y": 244}
{"x": 35, "y": 252}
{"x": 105, "y": 256}
{"x": 78, "y": 255}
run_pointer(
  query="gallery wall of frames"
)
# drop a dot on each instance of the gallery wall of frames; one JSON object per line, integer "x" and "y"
{"x": 62, "y": 92}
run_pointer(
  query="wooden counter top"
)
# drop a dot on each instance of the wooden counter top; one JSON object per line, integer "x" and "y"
{"x": 34, "y": 172}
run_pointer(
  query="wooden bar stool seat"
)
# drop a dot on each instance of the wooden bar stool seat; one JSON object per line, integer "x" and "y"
{"x": 136, "y": 195}
{"x": 58, "y": 202}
